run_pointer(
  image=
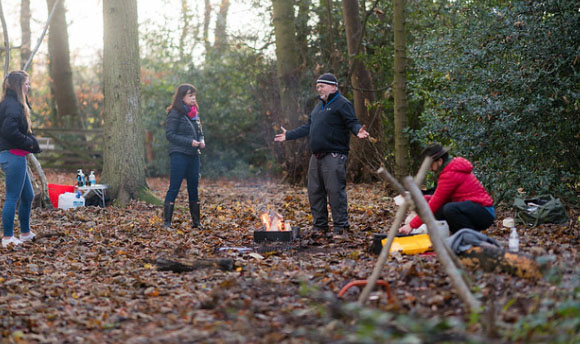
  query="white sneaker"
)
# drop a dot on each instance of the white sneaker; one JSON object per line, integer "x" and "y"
{"x": 29, "y": 236}
{"x": 11, "y": 241}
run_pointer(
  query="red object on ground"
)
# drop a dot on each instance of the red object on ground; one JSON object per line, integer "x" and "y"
{"x": 54, "y": 190}
{"x": 360, "y": 283}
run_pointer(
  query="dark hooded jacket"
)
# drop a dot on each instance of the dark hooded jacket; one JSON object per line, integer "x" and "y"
{"x": 13, "y": 126}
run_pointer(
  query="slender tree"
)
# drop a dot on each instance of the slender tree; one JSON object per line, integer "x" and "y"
{"x": 221, "y": 36}
{"x": 303, "y": 29}
{"x": 24, "y": 32}
{"x": 288, "y": 70}
{"x": 185, "y": 29}
{"x": 329, "y": 52}
{"x": 67, "y": 109}
{"x": 124, "y": 150}
{"x": 400, "y": 90}
{"x": 365, "y": 157}
{"x": 206, "y": 22}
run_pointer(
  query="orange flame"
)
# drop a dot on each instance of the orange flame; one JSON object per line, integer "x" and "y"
{"x": 273, "y": 221}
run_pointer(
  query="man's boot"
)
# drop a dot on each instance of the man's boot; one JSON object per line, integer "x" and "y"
{"x": 168, "y": 213}
{"x": 194, "y": 209}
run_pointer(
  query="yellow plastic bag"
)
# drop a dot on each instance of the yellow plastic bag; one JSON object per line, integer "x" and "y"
{"x": 413, "y": 244}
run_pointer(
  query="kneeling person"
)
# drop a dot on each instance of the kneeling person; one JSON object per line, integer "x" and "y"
{"x": 459, "y": 198}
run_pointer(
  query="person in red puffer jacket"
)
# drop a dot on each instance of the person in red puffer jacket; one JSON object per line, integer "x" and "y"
{"x": 459, "y": 198}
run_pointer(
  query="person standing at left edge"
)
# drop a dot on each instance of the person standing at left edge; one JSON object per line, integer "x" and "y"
{"x": 329, "y": 126}
{"x": 185, "y": 135}
{"x": 16, "y": 141}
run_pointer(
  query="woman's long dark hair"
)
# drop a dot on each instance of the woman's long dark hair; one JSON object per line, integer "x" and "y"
{"x": 177, "y": 102}
{"x": 15, "y": 81}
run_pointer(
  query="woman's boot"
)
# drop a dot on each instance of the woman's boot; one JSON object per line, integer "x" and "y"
{"x": 168, "y": 213}
{"x": 194, "y": 209}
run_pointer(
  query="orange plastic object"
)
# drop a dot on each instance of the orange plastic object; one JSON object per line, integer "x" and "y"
{"x": 360, "y": 283}
{"x": 413, "y": 244}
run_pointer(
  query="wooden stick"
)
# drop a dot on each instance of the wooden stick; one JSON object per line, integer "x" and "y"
{"x": 45, "y": 200}
{"x": 438, "y": 245}
{"x": 394, "y": 227}
{"x": 225, "y": 264}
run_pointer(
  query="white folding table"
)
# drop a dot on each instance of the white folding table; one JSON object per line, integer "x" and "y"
{"x": 98, "y": 189}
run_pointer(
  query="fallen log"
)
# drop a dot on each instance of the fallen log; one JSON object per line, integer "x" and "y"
{"x": 224, "y": 264}
{"x": 493, "y": 259}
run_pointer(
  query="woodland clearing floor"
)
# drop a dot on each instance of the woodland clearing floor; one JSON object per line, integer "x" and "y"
{"x": 90, "y": 277}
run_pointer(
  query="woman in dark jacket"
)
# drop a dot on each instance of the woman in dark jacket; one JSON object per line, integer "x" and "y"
{"x": 16, "y": 141}
{"x": 185, "y": 135}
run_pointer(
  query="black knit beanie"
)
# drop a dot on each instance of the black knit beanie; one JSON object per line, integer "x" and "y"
{"x": 327, "y": 78}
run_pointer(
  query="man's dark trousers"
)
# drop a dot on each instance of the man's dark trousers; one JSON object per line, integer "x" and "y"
{"x": 327, "y": 178}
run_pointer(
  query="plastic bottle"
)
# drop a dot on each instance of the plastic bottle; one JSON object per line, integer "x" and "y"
{"x": 92, "y": 179}
{"x": 80, "y": 178}
{"x": 514, "y": 241}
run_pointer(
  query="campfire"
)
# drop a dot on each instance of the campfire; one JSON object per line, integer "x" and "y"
{"x": 274, "y": 228}
{"x": 274, "y": 222}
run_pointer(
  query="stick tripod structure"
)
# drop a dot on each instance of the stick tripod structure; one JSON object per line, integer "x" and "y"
{"x": 447, "y": 258}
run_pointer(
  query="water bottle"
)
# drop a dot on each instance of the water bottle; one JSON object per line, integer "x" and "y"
{"x": 514, "y": 241}
{"x": 80, "y": 178}
{"x": 92, "y": 179}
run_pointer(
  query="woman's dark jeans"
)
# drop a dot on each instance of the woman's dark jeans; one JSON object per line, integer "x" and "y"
{"x": 18, "y": 187}
{"x": 183, "y": 166}
{"x": 465, "y": 214}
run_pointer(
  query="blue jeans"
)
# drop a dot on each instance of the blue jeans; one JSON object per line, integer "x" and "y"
{"x": 18, "y": 187}
{"x": 183, "y": 166}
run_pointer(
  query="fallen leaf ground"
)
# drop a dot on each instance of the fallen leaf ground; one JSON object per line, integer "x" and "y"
{"x": 90, "y": 277}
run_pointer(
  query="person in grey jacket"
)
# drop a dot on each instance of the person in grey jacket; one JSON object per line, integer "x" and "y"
{"x": 185, "y": 135}
{"x": 328, "y": 128}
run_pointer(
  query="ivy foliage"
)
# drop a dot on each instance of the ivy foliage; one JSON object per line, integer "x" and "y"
{"x": 500, "y": 83}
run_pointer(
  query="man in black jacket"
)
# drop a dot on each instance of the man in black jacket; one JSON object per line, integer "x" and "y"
{"x": 328, "y": 129}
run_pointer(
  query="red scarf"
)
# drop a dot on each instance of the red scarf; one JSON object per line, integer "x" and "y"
{"x": 193, "y": 112}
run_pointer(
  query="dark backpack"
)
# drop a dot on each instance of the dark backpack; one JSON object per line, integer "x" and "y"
{"x": 539, "y": 210}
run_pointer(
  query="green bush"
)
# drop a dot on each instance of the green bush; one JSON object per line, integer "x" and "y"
{"x": 500, "y": 84}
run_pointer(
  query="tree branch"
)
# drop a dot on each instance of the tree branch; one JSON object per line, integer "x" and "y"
{"x": 6, "y": 41}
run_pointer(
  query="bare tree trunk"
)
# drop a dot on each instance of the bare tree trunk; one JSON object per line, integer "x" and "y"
{"x": 288, "y": 70}
{"x": 6, "y": 42}
{"x": 24, "y": 32}
{"x": 184, "y": 30}
{"x": 333, "y": 54}
{"x": 68, "y": 113}
{"x": 221, "y": 36}
{"x": 400, "y": 90}
{"x": 124, "y": 149}
{"x": 365, "y": 156}
{"x": 303, "y": 30}
{"x": 206, "y": 20}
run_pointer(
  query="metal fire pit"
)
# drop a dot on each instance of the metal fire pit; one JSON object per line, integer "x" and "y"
{"x": 264, "y": 236}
